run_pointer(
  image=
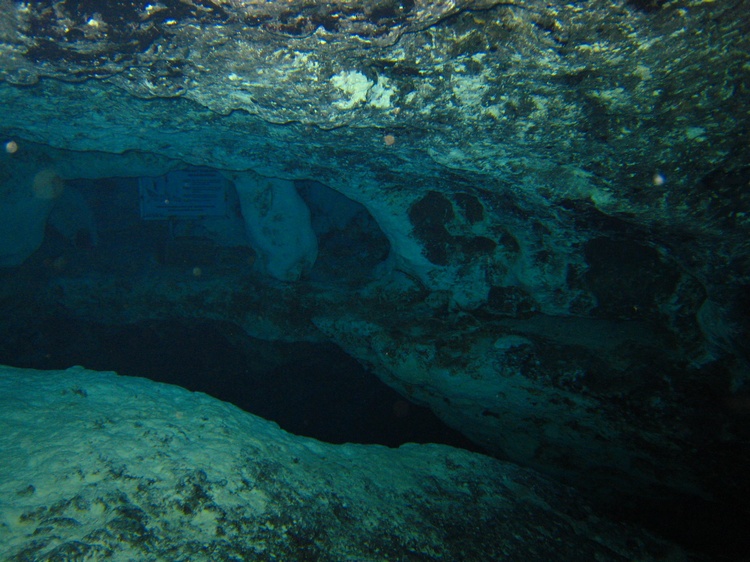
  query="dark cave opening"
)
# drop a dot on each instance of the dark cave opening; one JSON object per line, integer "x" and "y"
{"x": 310, "y": 389}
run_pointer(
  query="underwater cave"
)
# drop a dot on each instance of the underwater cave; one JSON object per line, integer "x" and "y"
{"x": 310, "y": 388}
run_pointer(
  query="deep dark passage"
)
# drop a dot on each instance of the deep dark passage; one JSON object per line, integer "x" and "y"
{"x": 315, "y": 390}
{"x": 309, "y": 389}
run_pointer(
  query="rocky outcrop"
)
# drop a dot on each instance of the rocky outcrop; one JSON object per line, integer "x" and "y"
{"x": 100, "y": 466}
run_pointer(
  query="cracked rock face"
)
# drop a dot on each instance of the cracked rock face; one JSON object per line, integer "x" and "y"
{"x": 564, "y": 188}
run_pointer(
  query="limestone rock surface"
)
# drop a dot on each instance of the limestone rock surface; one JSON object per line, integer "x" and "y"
{"x": 97, "y": 466}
